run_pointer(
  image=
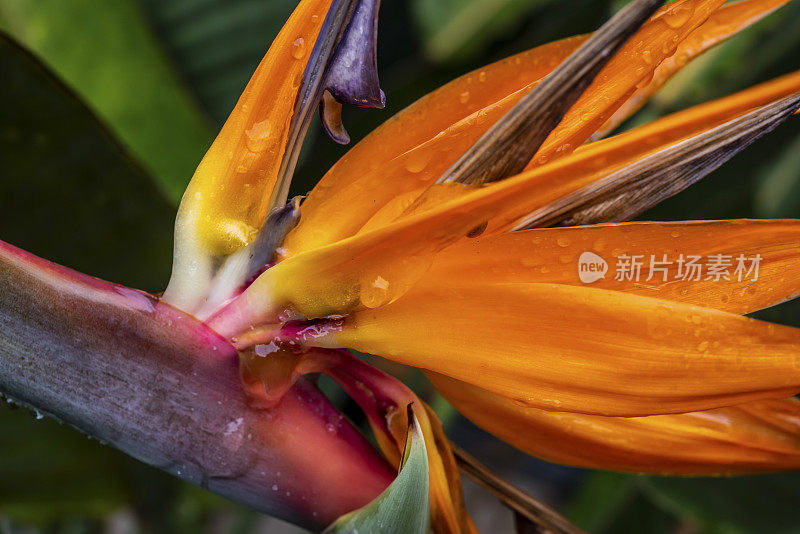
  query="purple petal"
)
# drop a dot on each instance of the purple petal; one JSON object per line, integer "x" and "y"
{"x": 352, "y": 76}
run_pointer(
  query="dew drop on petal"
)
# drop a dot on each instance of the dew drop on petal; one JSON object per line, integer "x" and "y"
{"x": 299, "y": 48}
{"x": 258, "y": 136}
{"x": 678, "y": 15}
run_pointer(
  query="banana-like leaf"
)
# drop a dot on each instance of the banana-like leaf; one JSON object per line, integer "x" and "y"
{"x": 107, "y": 54}
{"x": 68, "y": 191}
{"x": 402, "y": 508}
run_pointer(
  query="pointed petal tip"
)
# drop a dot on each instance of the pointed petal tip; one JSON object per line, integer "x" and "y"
{"x": 330, "y": 113}
{"x": 352, "y": 75}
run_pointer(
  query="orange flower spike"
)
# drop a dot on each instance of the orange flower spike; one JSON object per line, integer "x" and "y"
{"x": 682, "y": 124}
{"x": 749, "y": 438}
{"x": 228, "y": 197}
{"x": 594, "y": 161}
{"x": 553, "y": 255}
{"x": 410, "y": 150}
{"x": 429, "y": 135}
{"x": 652, "y": 44}
{"x": 726, "y": 22}
{"x": 380, "y": 265}
{"x": 628, "y": 355}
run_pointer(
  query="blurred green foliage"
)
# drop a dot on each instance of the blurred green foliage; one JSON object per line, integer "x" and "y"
{"x": 107, "y": 53}
{"x": 70, "y": 192}
{"x": 95, "y": 154}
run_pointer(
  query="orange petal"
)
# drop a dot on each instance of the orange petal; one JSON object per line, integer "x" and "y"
{"x": 756, "y": 437}
{"x": 228, "y": 196}
{"x": 411, "y": 150}
{"x": 672, "y": 259}
{"x": 632, "y": 66}
{"x": 380, "y": 265}
{"x": 523, "y": 194}
{"x": 579, "y": 349}
{"x": 729, "y": 20}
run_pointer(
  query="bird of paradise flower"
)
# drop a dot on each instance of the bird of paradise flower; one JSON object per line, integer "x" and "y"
{"x": 450, "y": 239}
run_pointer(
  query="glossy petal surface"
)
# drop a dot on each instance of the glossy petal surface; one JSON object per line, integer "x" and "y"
{"x": 749, "y": 438}
{"x": 227, "y": 199}
{"x": 580, "y": 349}
{"x": 659, "y": 252}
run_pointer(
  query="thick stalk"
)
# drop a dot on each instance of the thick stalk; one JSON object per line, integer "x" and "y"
{"x": 142, "y": 376}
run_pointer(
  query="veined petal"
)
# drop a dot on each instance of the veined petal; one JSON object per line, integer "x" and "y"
{"x": 410, "y": 150}
{"x": 727, "y": 21}
{"x": 227, "y": 200}
{"x": 631, "y": 67}
{"x": 430, "y": 135}
{"x": 661, "y": 251}
{"x": 760, "y": 436}
{"x": 378, "y": 266}
{"x": 578, "y": 349}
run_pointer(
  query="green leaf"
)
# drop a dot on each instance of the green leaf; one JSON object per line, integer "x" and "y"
{"x": 454, "y": 29}
{"x": 106, "y": 53}
{"x": 403, "y": 507}
{"x": 755, "y": 504}
{"x": 216, "y": 45}
{"x": 70, "y": 193}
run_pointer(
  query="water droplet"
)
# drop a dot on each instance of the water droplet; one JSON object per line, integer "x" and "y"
{"x": 647, "y": 57}
{"x": 299, "y": 49}
{"x": 482, "y": 76}
{"x": 417, "y": 162}
{"x": 464, "y": 97}
{"x": 695, "y": 318}
{"x": 258, "y": 136}
{"x": 678, "y": 15}
{"x": 274, "y": 487}
{"x": 563, "y": 242}
{"x": 600, "y": 244}
{"x": 375, "y": 293}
